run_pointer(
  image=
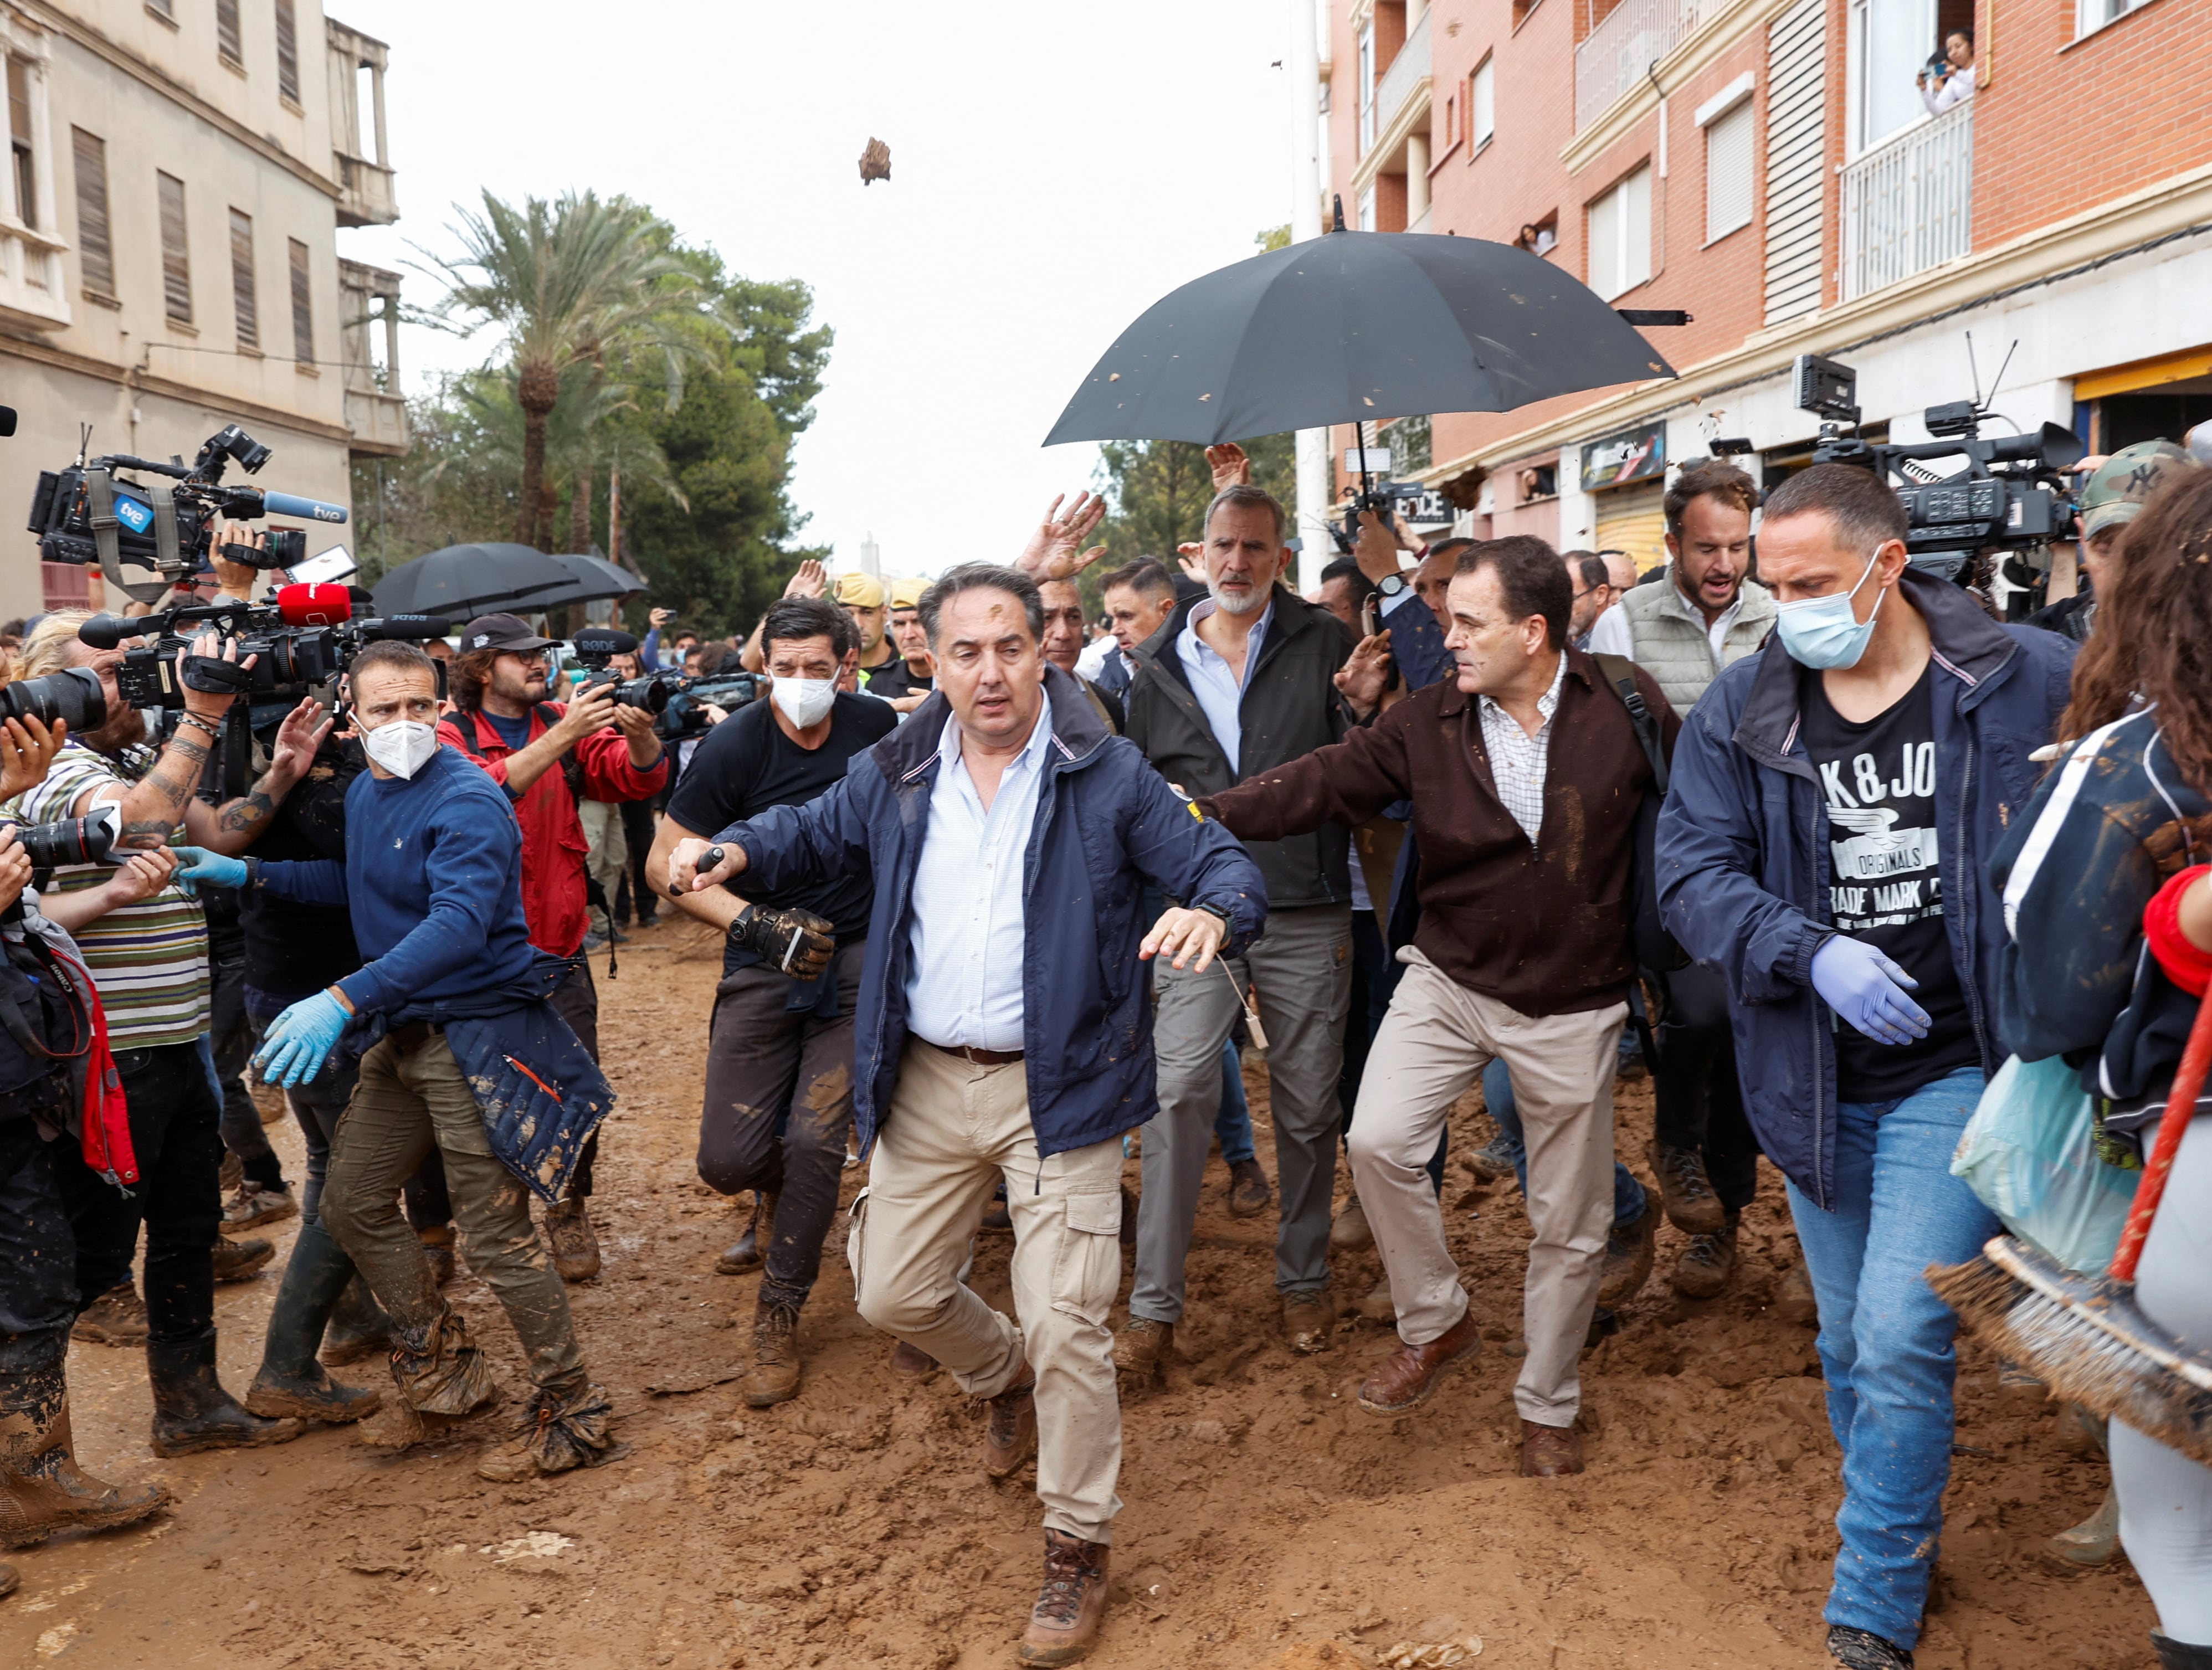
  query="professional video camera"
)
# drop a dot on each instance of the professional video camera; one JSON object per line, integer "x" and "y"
{"x": 87, "y": 514}
{"x": 679, "y": 705}
{"x": 686, "y": 714}
{"x": 2011, "y": 496}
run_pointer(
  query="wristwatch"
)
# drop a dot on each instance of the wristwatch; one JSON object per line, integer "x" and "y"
{"x": 1391, "y": 584}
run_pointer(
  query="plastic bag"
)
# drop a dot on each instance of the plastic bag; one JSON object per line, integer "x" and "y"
{"x": 2028, "y": 1152}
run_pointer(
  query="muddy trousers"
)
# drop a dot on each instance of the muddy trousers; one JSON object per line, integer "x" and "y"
{"x": 953, "y": 1131}
{"x": 779, "y": 1103}
{"x": 413, "y": 1099}
{"x": 37, "y": 1253}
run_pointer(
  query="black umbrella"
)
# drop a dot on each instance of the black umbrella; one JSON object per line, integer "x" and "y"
{"x": 1354, "y": 327}
{"x": 464, "y": 580}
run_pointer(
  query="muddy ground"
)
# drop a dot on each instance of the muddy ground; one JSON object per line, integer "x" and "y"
{"x": 1269, "y": 1521}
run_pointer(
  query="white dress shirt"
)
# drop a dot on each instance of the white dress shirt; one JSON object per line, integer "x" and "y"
{"x": 1220, "y": 692}
{"x": 1519, "y": 761}
{"x": 1611, "y": 634}
{"x": 965, "y": 952}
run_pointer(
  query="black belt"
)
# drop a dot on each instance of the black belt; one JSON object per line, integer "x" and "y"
{"x": 980, "y": 1058}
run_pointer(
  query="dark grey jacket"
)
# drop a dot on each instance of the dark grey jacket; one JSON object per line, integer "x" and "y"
{"x": 1290, "y": 708}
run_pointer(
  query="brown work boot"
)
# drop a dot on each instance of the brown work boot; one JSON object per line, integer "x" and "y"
{"x": 912, "y": 1362}
{"x": 240, "y": 1261}
{"x": 568, "y": 1232}
{"x": 1249, "y": 1193}
{"x": 1406, "y": 1376}
{"x": 1064, "y": 1622}
{"x": 1691, "y": 1205}
{"x": 1140, "y": 1350}
{"x": 1794, "y": 1300}
{"x": 774, "y": 1373}
{"x": 117, "y": 1317}
{"x": 251, "y": 1205}
{"x": 41, "y": 1491}
{"x": 438, "y": 1252}
{"x": 1010, "y": 1435}
{"x": 1706, "y": 1263}
{"x": 1630, "y": 1249}
{"x": 1549, "y": 1452}
{"x": 748, "y": 1252}
{"x": 1309, "y": 1320}
{"x": 1349, "y": 1231}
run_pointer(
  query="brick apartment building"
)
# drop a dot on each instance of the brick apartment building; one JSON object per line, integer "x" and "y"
{"x": 168, "y": 248}
{"x": 1769, "y": 165}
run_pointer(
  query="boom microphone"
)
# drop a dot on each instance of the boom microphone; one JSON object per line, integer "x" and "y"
{"x": 603, "y": 640}
{"x": 314, "y": 605}
{"x": 288, "y": 504}
{"x": 413, "y": 629}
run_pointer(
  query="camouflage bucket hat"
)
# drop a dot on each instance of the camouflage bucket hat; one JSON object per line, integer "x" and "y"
{"x": 2126, "y": 482}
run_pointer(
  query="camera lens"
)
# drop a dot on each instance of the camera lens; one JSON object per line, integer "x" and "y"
{"x": 72, "y": 693}
{"x": 72, "y": 840}
{"x": 651, "y": 693}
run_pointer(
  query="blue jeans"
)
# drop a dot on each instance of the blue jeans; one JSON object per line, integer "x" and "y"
{"x": 1886, "y": 1339}
{"x": 1497, "y": 1097}
{"x": 1232, "y": 1125}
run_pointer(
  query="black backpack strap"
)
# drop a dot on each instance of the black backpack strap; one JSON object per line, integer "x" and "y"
{"x": 465, "y": 722}
{"x": 1621, "y": 672}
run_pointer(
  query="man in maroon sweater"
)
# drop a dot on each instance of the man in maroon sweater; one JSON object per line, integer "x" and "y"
{"x": 1526, "y": 773}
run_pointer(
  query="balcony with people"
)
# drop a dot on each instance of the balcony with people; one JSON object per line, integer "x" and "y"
{"x": 1908, "y": 185}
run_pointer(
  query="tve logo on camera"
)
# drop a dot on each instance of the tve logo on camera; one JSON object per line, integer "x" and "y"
{"x": 138, "y": 518}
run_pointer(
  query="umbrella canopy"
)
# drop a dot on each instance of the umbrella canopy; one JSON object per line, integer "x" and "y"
{"x": 1355, "y": 327}
{"x": 589, "y": 579}
{"x": 462, "y": 582}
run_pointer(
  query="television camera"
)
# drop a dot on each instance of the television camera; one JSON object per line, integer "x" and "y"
{"x": 678, "y": 704}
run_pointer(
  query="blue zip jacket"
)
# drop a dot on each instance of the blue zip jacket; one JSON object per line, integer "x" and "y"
{"x": 1106, "y": 822}
{"x": 1743, "y": 856}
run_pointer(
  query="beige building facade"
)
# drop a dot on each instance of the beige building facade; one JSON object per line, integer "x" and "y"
{"x": 169, "y": 256}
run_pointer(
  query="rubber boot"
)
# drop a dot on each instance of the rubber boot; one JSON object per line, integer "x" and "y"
{"x": 358, "y": 1327}
{"x": 291, "y": 1382}
{"x": 2180, "y": 1654}
{"x": 41, "y": 1491}
{"x": 2093, "y": 1543}
{"x": 191, "y": 1410}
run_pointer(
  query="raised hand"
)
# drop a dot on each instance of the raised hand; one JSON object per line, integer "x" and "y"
{"x": 1230, "y": 464}
{"x": 1366, "y": 674}
{"x": 811, "y": 581}
{"x": 297, "y": 738}
{"x": 1056, "y": 549}
{"x": 26, "y": 748}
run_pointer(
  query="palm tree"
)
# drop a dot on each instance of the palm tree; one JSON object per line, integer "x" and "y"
{"x": 574, "y": 284}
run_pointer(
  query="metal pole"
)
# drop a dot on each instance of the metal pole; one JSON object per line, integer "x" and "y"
{"x": 1314, "y": 474}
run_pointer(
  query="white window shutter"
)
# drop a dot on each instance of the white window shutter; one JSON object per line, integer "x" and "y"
{"x": 1605, "y": 245}
{"x": 1635, "y": 228}
{"x": 1483, "y": 99}
{"x": 1728, "y": 173}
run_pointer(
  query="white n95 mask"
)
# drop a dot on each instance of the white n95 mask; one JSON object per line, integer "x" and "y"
{"x": 805, "y": 702}
{"x": 404, "y": 747}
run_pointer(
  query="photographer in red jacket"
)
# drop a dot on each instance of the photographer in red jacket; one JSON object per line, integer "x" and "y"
{"x": 548, "y": 757}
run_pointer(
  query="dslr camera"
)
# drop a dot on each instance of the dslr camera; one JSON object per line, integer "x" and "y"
{"x": 679, "y": 705}
{"x": 2010, "y": 495}
{"x": 89, "y": 512}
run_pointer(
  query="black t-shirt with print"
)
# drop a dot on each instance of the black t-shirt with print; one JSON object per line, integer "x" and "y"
{"x": 1885, "y": 887}
{"x": 746, "y": 764}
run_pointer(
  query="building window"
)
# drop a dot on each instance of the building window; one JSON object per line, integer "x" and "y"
{"x": 1620, "y": 236}
{"x": 287, "y": 51}
{"x": 1890, "y": 43}
{"x": 1367, "y": 222}
{"x": 19, "y": 131}
{"x": 227, "y": 41}
{"x": 95, "y": 254}
{"x": 1482, "y": 103}
{"x": 303, "y": 306}
{"x": 1366, "y": 73}
{"x": 1452, "y": 123}
{"x": 164, "y": 9}
{"x": 2091, "y": 15}
{"x": 241, "y": 280}
{"x": 1540, "y": 237}
{"x": 176, "y": 254}
{"x": 1727, "y": 168}
{"x": 65, "y": 585}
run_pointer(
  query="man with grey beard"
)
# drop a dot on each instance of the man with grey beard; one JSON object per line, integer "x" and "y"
{"x": 1234, "y": 685}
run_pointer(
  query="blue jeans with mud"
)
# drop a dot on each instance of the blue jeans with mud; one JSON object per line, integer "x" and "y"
{"x": 1885, "y": 1342}
{"x": 778, "y": 1107}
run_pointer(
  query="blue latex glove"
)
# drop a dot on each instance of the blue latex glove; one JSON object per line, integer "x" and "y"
{"x": 301, "y": 1039}
{"x": 197, "y": 864}
{"x": 1868, "y": 990}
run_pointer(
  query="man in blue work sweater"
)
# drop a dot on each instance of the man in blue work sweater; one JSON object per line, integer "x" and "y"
{"x": 469, "y": 1051}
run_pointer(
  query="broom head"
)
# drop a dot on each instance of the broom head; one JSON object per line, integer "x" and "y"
{"x": 2084, "y": 1338}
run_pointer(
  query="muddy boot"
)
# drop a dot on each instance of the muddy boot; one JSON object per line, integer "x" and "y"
{"x": 358, "y": 1327}
{"x": 1348, "y": 1232}
{"x": 1706, "y": 1263}
{"x": 117, "y": 1317}
{"x": 240, "y": 1261}
{"x": 291, "y": 1382}
{"x": 568, "y": 1232}
{"x": 2093, "y": 1543}
{"x": 1863, "y": 1649}
{"x": 1492, "y": 1162}
{"x": 442, "y": 1379}
{"x": 1630, "y": 1248}
{"x": 438, "y": 1252}
{"x": 1009, "y": 1435}
{"x": 558, "y": 1434}
{"x": 1140, "y": 1350}
{"x": 41, "y": 1491}
{"x": 2179, "y": 1654}
{"x": 1794, "y": 1300}
{"x": 1249, "y": 1193}
{"x": 774, "y": 1373}
{"x": 1064, "y": 1622}
{"x": 1691, "y": 1205}
{"x": 912, "y": 1362}
{"x": 1309, "y": 1320}
{"x": 744, "y": 1254}
{"x": 251, "y": 1205}
{"x": 191, "y": 1410}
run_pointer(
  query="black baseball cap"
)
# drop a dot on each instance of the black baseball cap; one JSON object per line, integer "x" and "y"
{"x": 506, "y": 632}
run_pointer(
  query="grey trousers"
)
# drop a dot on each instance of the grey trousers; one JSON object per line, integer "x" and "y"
{"x": 1302, "y": 967}
{"x": 610, "y": 852}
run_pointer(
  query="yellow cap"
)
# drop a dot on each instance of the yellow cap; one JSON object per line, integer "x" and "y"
{"x": 907, "y": 593}
{"x": 860, "y": 591}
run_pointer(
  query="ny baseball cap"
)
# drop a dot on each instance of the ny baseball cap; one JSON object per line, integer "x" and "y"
{"x": 506, "y": 632}
{"x": 2124, "y": 482}
{"x": 860, "y": 591}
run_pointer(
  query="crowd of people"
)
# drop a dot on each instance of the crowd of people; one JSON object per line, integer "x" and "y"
{"x": 1007, "y": 893}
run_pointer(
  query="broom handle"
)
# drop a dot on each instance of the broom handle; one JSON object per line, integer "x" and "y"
{"x": 2180, "y": 1108}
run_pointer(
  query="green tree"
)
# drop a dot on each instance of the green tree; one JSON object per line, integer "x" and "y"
{"x": 1157, "y": 491}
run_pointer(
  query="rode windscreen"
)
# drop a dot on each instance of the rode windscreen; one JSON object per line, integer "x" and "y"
{"x": 603, "y": 640}
{"x": 413, "y": 629}
{"x": 315, "y": 605}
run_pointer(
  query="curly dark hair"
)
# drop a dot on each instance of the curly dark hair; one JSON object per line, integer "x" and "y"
{"x": 2152, "y": 638}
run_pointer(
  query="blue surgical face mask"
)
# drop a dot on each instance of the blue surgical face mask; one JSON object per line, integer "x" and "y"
{"x": 1823, "y": 632}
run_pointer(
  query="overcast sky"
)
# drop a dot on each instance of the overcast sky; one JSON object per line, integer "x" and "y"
{"x": 1055, "y": 170}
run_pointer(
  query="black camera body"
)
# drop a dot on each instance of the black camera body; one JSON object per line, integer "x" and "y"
{"x": 2011, "y": 494}
{"x": 597, "y": 647}
{"x": 291, "y": 659}
{"x": 685, "y": 716}
{"x": 1387, "y": 499}
{"x": 88, "y": 513}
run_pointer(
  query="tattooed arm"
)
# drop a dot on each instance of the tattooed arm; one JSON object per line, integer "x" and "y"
{"x": 233, "y": 826}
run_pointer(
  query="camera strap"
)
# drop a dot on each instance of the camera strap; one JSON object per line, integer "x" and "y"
{"x": 215, "y": 676}
{"x": 100, "y": 497}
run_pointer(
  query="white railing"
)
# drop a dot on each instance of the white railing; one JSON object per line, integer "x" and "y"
{"x": 1620, "y": 52}
{"x": 1909, "y": 204}
{"x": 1408, "y": 74}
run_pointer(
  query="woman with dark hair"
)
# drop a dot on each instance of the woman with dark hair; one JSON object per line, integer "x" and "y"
{"x": 1954, "y": 77}
{"x": 2102, "y": 881}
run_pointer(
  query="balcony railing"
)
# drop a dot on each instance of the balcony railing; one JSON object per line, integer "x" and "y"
{"x": 1909, "y": 204}
{"x": 1620, "y": 52}
{"x": 1407, "y": 76}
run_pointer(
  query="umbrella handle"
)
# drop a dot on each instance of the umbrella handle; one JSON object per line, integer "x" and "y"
{"x": 2180, "y": 1108}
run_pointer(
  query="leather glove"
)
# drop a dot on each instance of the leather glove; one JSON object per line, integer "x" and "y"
{"x": 197, "y": 864}
{"x": 797, "y": 943}
{"x": 301, "y": 1039}
{"x": 1868, "y": 990}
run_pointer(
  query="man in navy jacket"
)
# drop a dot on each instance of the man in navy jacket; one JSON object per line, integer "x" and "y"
{"x": 1835, "y": 801}
{"x": 1004, "y": 1030}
